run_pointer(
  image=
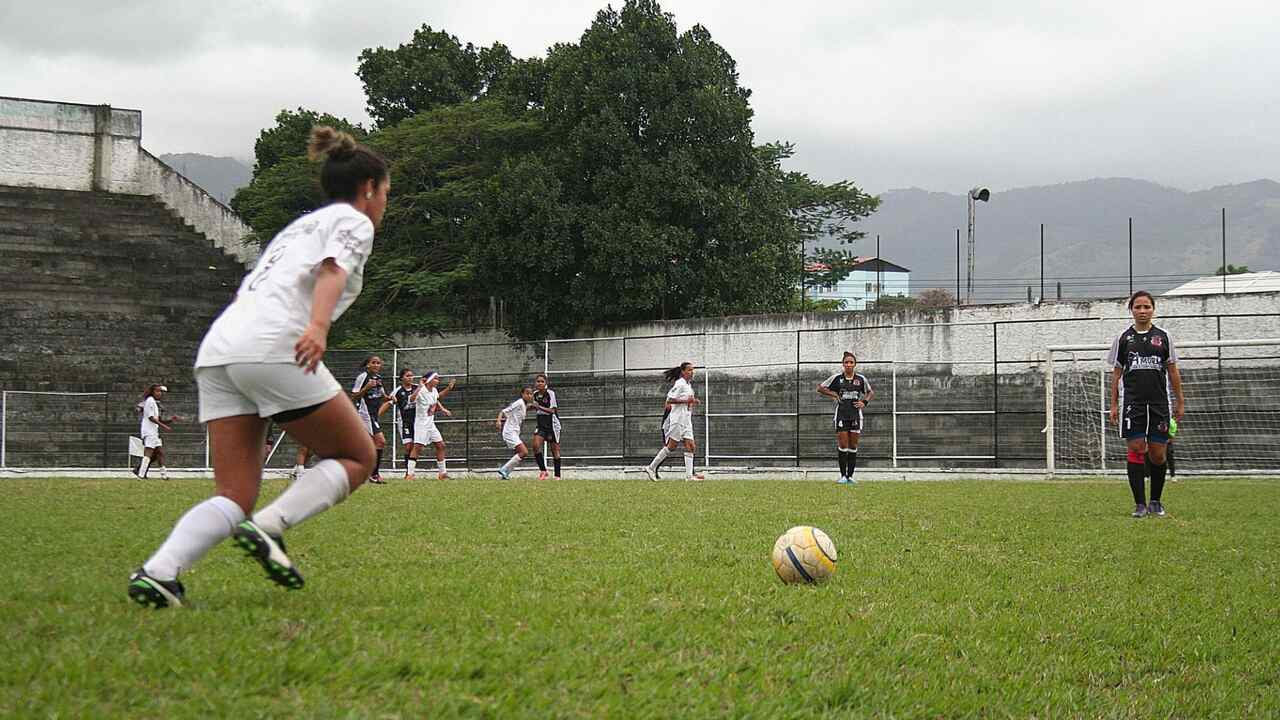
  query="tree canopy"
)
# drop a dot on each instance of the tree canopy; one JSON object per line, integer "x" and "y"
{"x": 617, "y": 178}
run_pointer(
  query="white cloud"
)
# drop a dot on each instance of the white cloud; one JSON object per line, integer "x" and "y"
{"x": 885, "y": 92}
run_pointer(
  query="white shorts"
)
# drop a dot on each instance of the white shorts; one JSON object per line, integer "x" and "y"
{"x": 680, "y": 431}
{"x": 512, "y": 438}
{"x": 425, "y": 432}
{"x": 152, "y": 441}
{"x": 262, "y": 389}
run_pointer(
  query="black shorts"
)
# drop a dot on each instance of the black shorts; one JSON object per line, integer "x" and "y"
{"x": 848, "y": 420}
{"x": 1145, "y": 420}
{"x": 406, "y": 431}
{"x": 372, "y": 425}
{"x": 547, "y": 432}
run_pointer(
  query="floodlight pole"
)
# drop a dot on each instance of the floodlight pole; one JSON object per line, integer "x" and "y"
{"x": 975, "y": 194}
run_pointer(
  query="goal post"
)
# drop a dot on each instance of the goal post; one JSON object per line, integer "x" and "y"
{"x": 1230, "y": 388}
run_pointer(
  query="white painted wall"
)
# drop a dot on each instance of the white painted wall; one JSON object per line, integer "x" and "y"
{"x": 859, "y": 287}
{"x": 954, "y": 335}
{"x": 53, "y": 145}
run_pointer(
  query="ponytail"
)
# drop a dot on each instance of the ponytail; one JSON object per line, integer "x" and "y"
{"x": 675, "y": 372}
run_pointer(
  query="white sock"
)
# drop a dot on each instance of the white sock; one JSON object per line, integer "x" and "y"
{"x": 442, "y": 465}
{"x": 657, "y": 460}
{"x": 410, "y": 465}
{"x": 298, "y": 470}
{"x": 515, "y": 460}
{"x": 142, "y": 469}
{"x": 319, "y": 489}
{"x": 204, "y": 526}
{"x": 688, "y": 464}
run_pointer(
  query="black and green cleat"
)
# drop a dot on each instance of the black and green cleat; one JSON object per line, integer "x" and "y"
{"x": 270, "y": 553}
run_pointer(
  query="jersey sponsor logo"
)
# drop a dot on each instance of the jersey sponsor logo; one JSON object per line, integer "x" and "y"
{"x": 1157, "y": 342}
{"x": 1144, "y": 362}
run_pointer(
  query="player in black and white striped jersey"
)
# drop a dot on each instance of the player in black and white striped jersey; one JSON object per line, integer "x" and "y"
{"x": 368, "y": 394}
{"x": 547, "y": 410}
{"x": 404, "y": 408}
{"x": 852, "y": 392}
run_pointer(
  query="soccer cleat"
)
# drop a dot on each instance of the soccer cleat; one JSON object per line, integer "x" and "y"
{"x": 408, "y": 476}
{"x": 442, "y": 476}
{"x": 542, "y": 474}
{"x": 377, "y": 480}
{"x": 504, "y": 473}
{"x": 842, "y": 480}
{"x": 150, "y": 592}
{"x": 649, "y": 473}
{"x": 851, "y": 480}
{"x": 269, "y": 552}
{"x": 1139, "y": 510}
{"x": 1156, "y": 508}
{"x": 697, "y": 477}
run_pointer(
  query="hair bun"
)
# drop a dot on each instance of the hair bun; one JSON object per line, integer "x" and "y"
{"x": 327, "y": 142}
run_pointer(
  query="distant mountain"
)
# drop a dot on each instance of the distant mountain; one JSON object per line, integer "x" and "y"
{"x": 219, "y": 176}
{"x": 1177, "y": 236}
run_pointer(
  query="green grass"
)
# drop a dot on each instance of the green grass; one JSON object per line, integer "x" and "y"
{"x": 630, "y": 599}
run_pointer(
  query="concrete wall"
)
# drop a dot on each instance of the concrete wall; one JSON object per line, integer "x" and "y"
{"x": 68, "y": 146}
{"x": 954, "y": 340}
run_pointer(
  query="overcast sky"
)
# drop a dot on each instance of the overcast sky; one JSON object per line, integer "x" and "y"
{"x": 935, "y": 94}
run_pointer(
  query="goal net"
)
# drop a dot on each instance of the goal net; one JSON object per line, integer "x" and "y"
{"x": 1232, "y": 414}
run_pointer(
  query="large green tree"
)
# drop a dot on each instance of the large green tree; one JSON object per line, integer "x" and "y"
{"x": 652, "y": 198}
{"x": 434, "y": 69}
{"x": 615, "y": 179}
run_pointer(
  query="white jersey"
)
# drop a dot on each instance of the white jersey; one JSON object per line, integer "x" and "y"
{"x": 272, "y": 308}
{"x": 425, "y": 406}
{"x": 150, "y": 409}
{"x": 681, "y": 413}
{"x": 515, "y": 417}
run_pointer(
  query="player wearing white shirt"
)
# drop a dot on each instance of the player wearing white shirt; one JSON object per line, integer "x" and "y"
{"x": 149, "y": 428}
{"x": 261, "y": 361}
{"x": 678, "y": 425}
{"x": 509, "y": 421}
{"x": 426, "y": 400}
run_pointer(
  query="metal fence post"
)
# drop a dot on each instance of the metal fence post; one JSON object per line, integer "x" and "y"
{"x": 624, "y": 401}
{"x": 797, "y": 392}
{"x": 4, "y": 426}
{"x": 466, "y": 411}
{"x": 106, "y": 425}
{"x": 995, "y": 393}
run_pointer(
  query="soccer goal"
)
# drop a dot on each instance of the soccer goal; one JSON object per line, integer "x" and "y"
{"x": 1232, "y": 415}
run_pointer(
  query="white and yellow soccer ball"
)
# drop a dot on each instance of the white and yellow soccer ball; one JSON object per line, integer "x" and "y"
{"x": 804, "y": 554}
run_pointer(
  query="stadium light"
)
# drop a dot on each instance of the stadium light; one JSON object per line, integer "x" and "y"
{"x": 975, "y": 194}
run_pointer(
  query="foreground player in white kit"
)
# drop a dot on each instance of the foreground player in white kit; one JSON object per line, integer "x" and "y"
{"x": 509, "y": 421}
{"x": 261, "y": 360}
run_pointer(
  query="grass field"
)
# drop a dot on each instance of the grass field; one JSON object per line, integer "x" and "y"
{"x": 630, "y": 599}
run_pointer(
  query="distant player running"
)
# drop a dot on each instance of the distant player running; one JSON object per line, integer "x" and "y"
{"x": 368, "y": 394}
{"x": 509, "y": 421}
{"x": 1144, "y": 372}
{"x": 426, "y": 400}
{"x": 548, "y": 430}
{"x": 679, "y": 424}
{"x": 852, "y": 392}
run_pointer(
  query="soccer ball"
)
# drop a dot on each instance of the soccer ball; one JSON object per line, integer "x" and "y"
{"x": 804, "y": 555}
